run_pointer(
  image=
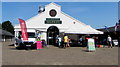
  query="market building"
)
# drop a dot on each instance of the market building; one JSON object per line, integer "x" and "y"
{"x": 114, "y": 33}
{"x": 51, "y": 21}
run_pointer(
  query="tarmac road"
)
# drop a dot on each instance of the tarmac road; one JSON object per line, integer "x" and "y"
{"x": 57, "y": 56}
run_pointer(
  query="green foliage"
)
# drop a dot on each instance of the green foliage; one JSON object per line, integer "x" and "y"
{"x": 7, "y": 25}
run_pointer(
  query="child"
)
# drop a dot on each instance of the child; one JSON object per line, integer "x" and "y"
{"x": 44, "y": 43}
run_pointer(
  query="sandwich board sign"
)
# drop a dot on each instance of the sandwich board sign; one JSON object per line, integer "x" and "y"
{"x": 91, "y": 44}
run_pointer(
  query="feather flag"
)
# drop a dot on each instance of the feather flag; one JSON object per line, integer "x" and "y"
{"x": 116, "y": 26}
{"x": 23, "y": 29}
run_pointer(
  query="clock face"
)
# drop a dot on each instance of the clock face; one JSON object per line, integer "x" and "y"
{"x": 52, "y": 13}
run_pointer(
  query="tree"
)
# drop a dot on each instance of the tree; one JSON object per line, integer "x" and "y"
{"x": 7, "y": 25}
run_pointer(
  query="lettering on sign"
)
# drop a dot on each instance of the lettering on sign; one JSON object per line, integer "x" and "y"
{"x": 53, "y": 21}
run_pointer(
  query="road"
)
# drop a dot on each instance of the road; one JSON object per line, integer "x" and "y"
{"x": 57, "y": 56}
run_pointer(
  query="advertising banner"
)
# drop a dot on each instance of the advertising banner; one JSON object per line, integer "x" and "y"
{"x": 91, "y": 44}
{"x": 23, "y": 30}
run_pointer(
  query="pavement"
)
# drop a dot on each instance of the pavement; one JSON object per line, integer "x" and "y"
{"x": 57, "y": 56}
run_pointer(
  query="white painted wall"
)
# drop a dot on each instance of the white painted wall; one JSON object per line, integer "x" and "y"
{"x": 37, "y": 22}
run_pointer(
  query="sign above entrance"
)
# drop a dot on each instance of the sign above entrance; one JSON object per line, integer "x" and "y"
{"x": 53, "y": 21}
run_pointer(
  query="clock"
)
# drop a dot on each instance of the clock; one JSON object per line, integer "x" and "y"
{"x": 52, "y": 13}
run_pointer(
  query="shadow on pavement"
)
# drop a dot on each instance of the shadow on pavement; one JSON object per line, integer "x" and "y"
{"x": 85, "y": 50}
{"x": 11, "y": 45}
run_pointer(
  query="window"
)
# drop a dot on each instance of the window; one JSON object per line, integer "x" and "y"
{"x": 52, "y": 13}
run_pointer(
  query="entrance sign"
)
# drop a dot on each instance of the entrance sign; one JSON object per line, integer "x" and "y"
{"x": 53, "y": 21}
{"x": 23, "y": 29}
{"x": 91, "y": 44}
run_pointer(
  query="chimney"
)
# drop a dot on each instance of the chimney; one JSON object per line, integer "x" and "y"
{"x": 41, "y": 9}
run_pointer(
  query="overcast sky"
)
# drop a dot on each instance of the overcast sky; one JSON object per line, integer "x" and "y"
{"x": 96, "y": 14}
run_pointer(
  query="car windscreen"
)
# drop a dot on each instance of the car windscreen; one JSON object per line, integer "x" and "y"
{"x": 31, "y": 35}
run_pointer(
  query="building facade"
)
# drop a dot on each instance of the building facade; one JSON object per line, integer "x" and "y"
{"x": 51, "y": 21}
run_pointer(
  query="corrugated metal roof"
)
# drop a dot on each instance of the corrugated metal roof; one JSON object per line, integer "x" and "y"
{"x": 3, "y": 32}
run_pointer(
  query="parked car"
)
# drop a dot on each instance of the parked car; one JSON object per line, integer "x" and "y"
{"x": 115, "y": 42}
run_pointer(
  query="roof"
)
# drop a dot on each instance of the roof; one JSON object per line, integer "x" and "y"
{"x": 110, "y": 29}
{"x": 3, "y": 32}
{"x": 84, "y": 30}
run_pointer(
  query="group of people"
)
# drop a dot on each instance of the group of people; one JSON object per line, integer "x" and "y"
{"x": 65, "y": 42}
{"x": 106, "y": 41}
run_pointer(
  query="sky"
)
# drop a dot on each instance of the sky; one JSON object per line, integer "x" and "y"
{"x": 95, "y": 14}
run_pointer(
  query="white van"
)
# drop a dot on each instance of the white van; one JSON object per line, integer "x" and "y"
{"x": 20, "y": 43}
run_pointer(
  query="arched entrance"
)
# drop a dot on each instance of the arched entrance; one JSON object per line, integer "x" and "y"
{"x": 52, "y": 32}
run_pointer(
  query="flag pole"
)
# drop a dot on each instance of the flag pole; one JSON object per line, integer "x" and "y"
{"x": 107, "y": 29}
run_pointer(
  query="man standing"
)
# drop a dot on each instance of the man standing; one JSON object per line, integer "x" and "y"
{"x": 109, "y": 39}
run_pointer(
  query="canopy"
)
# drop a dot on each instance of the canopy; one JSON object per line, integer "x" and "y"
{"x": 82, "y": 30}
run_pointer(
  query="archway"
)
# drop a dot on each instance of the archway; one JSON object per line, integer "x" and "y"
{"x": 52, "y": 32}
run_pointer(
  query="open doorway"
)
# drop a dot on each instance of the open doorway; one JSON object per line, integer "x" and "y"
{"x": 52, "y": 32}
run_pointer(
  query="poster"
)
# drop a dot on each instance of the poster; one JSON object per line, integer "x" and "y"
{"x": 91, "y": 44}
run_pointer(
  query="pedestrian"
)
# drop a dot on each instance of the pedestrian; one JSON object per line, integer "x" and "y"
{"x": 59, "y": 41}
{"x": 39, "y": 36}
{"x": 109, "y": 41}
{"x": 44, "y": 44}
{"x": 96, "y": 41}
{"x": 68, "y": 43}
{"x": 80, "y": 41}
{"x": 65, "y": 41}
{"x": 56, "y": 40}
{"x": 83, "y": 41}
{"x": 87, "y": 41}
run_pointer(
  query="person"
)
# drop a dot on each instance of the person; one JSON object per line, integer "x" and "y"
{"x": 109, "y": 40}
{"x": 39, "y": 36}
{"x": 65, "y": 41}
{"x": 96, "y": 41}
{"x": 68, "y": 42}
{"x": 87, "y": 37}
{"x": 83, "y": 41}
{"x": 44, "y": 43}
{"x": 80, "y": 40}
{"x": 59, "y": 41}
{"x": 56, "y": 40}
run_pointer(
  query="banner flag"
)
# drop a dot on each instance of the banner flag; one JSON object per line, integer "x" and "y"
{"x": 23, "y": 29}
{"x": 116, "y": 26}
